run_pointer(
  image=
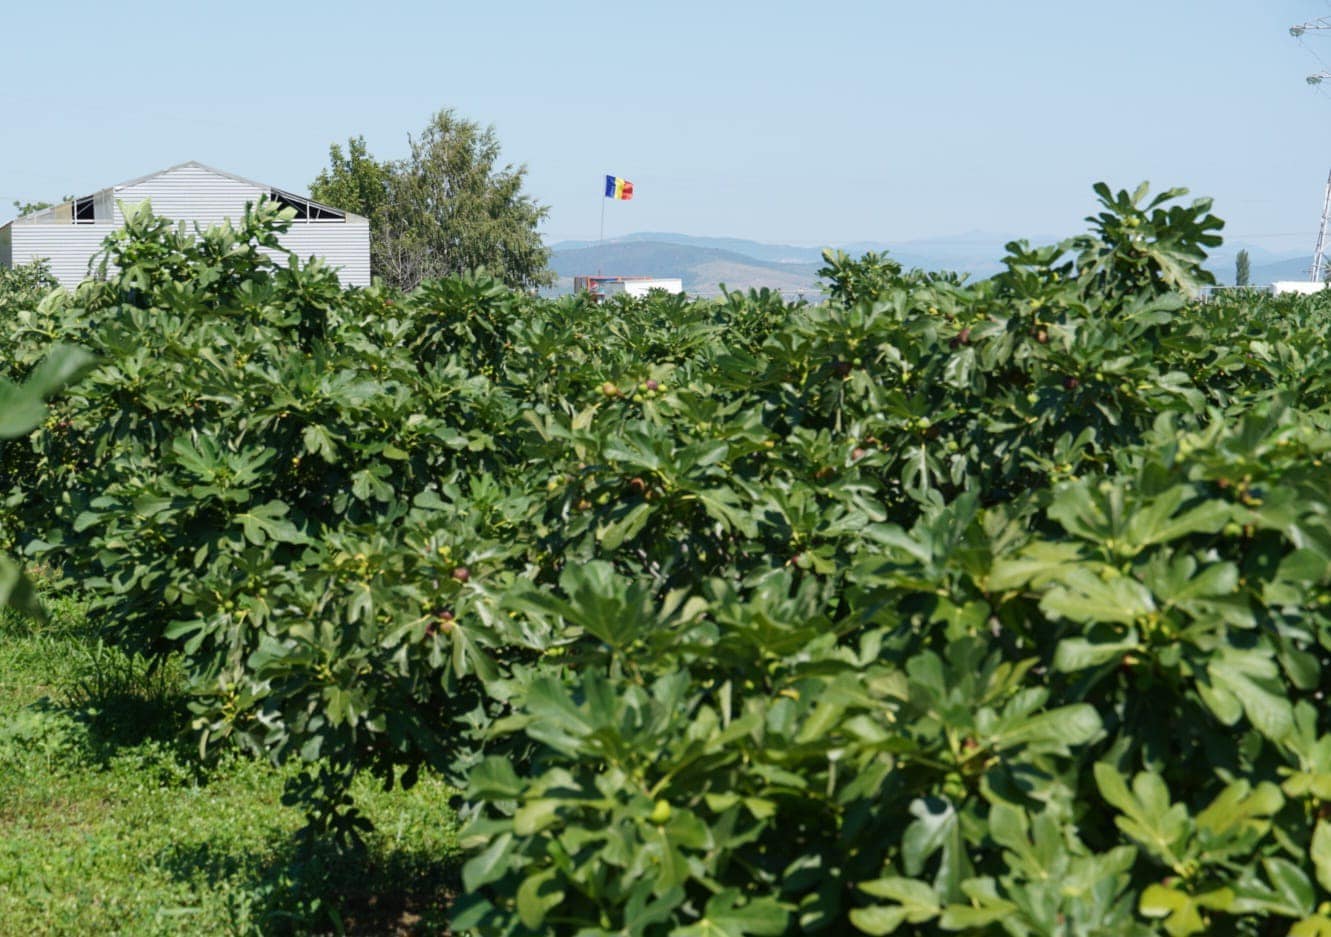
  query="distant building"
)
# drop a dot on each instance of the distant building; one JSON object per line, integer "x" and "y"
{"x": 601, "y": 286}
{"x": 1304, "y": 287}
{"x": 69, "y": 235}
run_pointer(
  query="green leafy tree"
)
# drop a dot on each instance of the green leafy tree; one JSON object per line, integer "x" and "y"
{"x": 1242, "y": 269}
{"x": 446, "y": 209}
{"x": 354, "y": 181}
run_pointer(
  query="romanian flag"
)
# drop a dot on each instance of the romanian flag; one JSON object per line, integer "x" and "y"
{"x": 617, "y": 188}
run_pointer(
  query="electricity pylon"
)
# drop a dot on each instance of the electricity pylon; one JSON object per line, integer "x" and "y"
{"x": 1319, "y": 253}
{"x": 1321, "y": 23}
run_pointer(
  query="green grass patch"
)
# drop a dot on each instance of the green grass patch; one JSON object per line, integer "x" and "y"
{"x": 110, "y": 823}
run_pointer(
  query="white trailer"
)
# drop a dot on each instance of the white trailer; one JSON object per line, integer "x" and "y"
{"x": 600, "y": 286}
{"x": 1302, "y": 287}
{"x": 641, "y": 286}
{"x": 69, "y": 235}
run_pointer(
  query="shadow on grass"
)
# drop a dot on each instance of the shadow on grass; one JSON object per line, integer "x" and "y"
{"x": 110, "y": 710}
{"x": 99, "y": 707}
{"x": 125, "y": 702}
{"x": 291, "y": 887}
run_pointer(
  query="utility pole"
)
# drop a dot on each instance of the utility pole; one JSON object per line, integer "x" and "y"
{"x": 1319, "y": 267}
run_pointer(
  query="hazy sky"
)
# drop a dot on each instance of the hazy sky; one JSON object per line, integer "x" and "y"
{"x": 792, "y": 122}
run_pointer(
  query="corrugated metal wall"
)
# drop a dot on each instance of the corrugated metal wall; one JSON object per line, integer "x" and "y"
{"x": 68, "y": 247}
{"x": 193, "y": 194}
{"x": 343, "y": 245}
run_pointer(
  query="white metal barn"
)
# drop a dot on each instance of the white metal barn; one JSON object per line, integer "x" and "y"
{"x": 69, "y": 235}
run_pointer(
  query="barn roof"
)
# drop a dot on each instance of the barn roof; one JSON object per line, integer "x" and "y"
{"x": 290, "y": 197}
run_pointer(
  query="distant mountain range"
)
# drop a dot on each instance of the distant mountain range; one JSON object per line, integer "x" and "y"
{"x": 704, "y": 263}
{"x": 702, "y": 268}
{"x": 1267, "y": 266}
{"x": 1295, "y": 268}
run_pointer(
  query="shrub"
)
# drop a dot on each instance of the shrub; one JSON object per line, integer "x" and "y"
{"x": 938, "y": 605}
{"x": 22, "y": 408}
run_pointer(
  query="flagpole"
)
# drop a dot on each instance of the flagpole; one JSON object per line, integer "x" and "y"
{"x": 601, "y": 239}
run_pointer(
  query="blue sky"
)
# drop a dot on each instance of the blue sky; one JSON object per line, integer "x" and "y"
{"x": 790, "y": 122}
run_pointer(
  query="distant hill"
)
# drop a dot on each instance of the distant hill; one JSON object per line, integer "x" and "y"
{"x": 753, "y": 250}
{"x": 705, "y": 262}
{"x": 978, "y": 254}
{"x": 1296, "y": 268}
{"x": 701, "y": 268}
{"x": 966, "y": 252}
{"x": 1267, "y": 266}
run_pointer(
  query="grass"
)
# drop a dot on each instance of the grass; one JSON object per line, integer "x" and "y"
{"x": 110, "y": 824}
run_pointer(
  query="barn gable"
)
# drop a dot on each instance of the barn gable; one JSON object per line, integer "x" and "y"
{"x": 69, "y": 235}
